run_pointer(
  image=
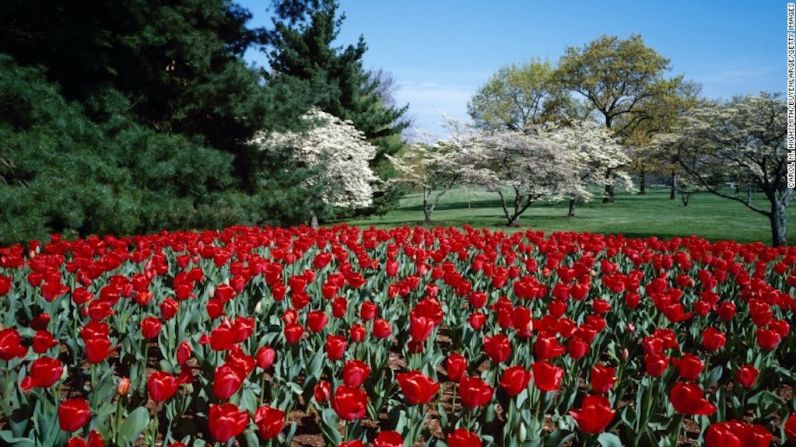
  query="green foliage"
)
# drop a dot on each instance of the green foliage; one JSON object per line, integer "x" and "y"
{"x": 302, "y": 47}
{"x": 61, "y": 171}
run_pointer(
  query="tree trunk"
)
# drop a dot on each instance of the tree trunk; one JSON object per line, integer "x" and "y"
{"x": 749, "y": 193}
{"x": 514, "y": 221}
{"x": 642, "y": 182}
{"x": 684, "y": 196}
{"x": 427, "y": 215}
{"x": 571, "y": 212}
{"x": 779, "y": 220}
{"x": 314, "y": 221}
{"x": 672, "y": 193}
{"x": 608, "y": 196}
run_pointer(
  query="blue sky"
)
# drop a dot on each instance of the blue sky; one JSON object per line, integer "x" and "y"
{"x": 441, "y": 51}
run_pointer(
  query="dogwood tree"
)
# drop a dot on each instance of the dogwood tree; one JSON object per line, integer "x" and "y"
{"x": 337, "y": 151}
{"x": 435, "y": 168}
{"x": 598, "y": 159}
{"x": 717, "y": 143}
{"x": 525, "y": 167}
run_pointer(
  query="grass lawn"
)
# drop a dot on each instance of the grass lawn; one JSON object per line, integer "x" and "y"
{"x": 636, "y": 215}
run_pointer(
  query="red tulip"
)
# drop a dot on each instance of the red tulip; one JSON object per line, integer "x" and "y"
{"x": 73, "y": 414}
{"x": 381, "y": 328}
{"x": 150, "y": 327}
{"x": 269, "y": 421}
{"x": 455, "y": 366}
{"x": 5, "y": 285}
{"x": 226, "y": 382}
{"x": 42, "y": 373}
{"x": 790, "y": 427}
{"x": 477, "y": 320}
{"x": 357, "y": 333}
{"x": 98, "y": 349}
{"x": 547, "y": 347}
{"x": 43, "y": 341}
{"x": 169, "y": 308}
{"x": 497, "y": 347}
{"x": 323, "y": 391}
{"x": 355, "y": 372}
{"x": 265, "y": 357}
{"x": 768, "y": 339}
{"x": 713, "y": 339}
{"x": 463, "y": 438}
{"x": 547, "y": 377}
{"x": 514, "y": 380}
{"x": 351, "y": 443}
{"x": 293, "y": 333}
{"x": 417, "y": 388}
{"x": 184, "y": 352}
{"x": 420, "y": 327}
{"x": 655, "y": 364}
{"x": 226, "y": 421}
{"x": 594, "y": 415}
{"x": 577, "y": 348}
{"x": 222, "y": 337}
{"x": 316, "y": 321}
{"x": 350, "y": 403}
{"x": 747, "y": 376}
{"x": 688, "y": 366}
{"x": 161, "y": 386}
{"x": 367, "y": 310}
{"x": 602, "y": 378}
{"x": 335, "y": 347}
{"x": 688, "y": 398}
{"x": 11, "y": 345}
{"x": 474, "y": 392}
{"x": 388, "y": 439}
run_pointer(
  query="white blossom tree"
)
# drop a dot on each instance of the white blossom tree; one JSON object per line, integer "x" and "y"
{"x": 523, "y": 167}
{"x": 597, "y": 153}
{"x": 717, "y": 143}
{"x": 337, "y": 151}
{"x": 436, "y": 167}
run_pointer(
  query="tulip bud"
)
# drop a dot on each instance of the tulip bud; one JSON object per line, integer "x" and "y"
{"x": 124, "y": 386}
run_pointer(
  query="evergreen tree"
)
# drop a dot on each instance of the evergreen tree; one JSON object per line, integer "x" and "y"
{"x": 301, "y": 46}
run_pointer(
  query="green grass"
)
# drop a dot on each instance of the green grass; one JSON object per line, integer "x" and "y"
{"x": 635, "y": 215}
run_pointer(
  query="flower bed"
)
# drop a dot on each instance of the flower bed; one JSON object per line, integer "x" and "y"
{"x": 410, "y": 336}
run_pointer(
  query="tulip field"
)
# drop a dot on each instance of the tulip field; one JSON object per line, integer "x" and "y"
{"x": 412, "y": 336}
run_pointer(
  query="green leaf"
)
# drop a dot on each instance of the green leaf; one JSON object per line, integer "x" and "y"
{"x": 135, "y": 423}
{"x": 609, "y": 440}
{"x": 9, "y": 439}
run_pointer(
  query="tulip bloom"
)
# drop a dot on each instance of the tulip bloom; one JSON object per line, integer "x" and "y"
{"x": 269, "y": 422}
{"x": 350, "y": 403}
{"x": 226, "y": 382}
{"x": 293, "y": 333}
{"x": 226, "y": 421}
{"x": 514, "y": 380}
{"x": 602, "y": 378}
{"x": 355, "y": 372}
{"x": 316, "y": 321}
{"x": 474, "y": 392}
{"x": 713, "y": 339}
{"x": 455, "y": 366}
{"x": 747, "y": 376}
{"x": 594, "y": 415}
{"x": 688, "y": 366}
{"x": 265, "y": 357}
{"x": 42, "y": 373}
{"x": 161, "y": 386}
{"x": 388, "y": 439}
{"x": 323, "y": 391}
{"x": 547, "y": 347}
{"x": 497, "y": 347}
{"x": 98, "y": 349}
{"x": 11, "y": 345}
{"x": 418, "y": 389}
{"x": 463, "y": 438}
{"x": 688, "y": 398}
{"x": 73, "y": 414}
{"x": 335, "y": 347}
{"x": 150, "y": 328}
{"x": 547, "y": 377}
{"x": 43, "y": 341}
